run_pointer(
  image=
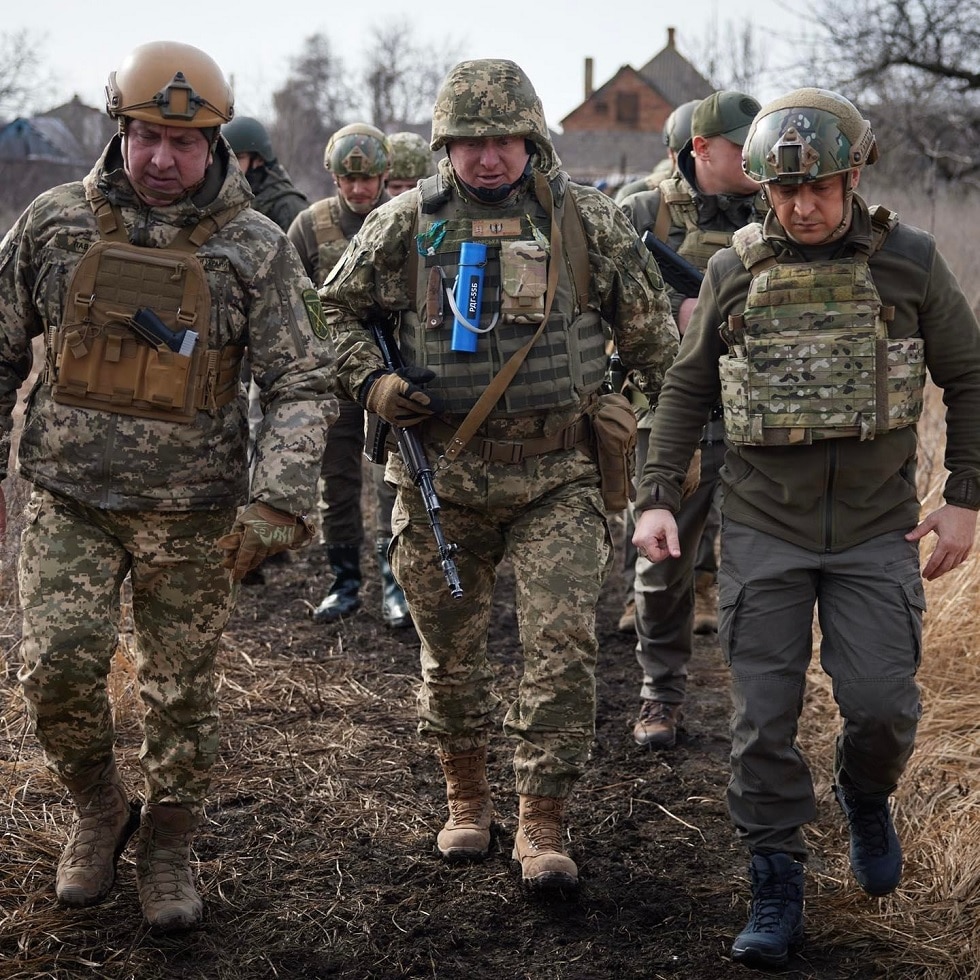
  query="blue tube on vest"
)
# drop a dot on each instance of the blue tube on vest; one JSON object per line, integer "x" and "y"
{"x": 469, "y": 294}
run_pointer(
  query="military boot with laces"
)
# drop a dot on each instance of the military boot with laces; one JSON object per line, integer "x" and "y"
{"x": 167, "y": 894}
{"x": 466, "y": 834}
{"x": 657, "y": 726}
{"x": 876, "y": 854}
{"x": 538, "y": 845}
{"x": 775, "y": 923}
{"x": 104, "y": 822}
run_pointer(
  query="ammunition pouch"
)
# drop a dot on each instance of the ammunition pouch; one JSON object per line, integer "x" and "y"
{"x": 95, "y": 360}
{"x": 614, "y": 431}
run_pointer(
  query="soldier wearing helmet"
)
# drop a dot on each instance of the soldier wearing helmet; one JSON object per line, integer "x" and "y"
{"x": 832, "y": 313}
{"x": 146, "y": 281}
{"x": 517, "y": 473}
{"x": 676, "y": 133}
{"x": 358, "y": 157}
{"x": 275, "y": 194}
{"x": 696, "y": 212}
{"x": 411, "y": 160}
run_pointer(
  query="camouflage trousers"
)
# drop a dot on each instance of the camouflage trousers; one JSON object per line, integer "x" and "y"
{"x": 545, "y": 517}
{"x": 73, "y": 561}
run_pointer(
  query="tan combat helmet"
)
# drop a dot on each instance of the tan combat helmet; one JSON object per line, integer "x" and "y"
{"x": 806, "y": 135}
{"x": 170, "y": 84}
{"x": 491, "y": 97}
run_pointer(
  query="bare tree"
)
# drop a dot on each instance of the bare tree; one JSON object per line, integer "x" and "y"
{"x": 917, "y": 63}
{"x": 314, "y": 101}
{"x": 403, "y": 76}
{"x": 23, "y": 86}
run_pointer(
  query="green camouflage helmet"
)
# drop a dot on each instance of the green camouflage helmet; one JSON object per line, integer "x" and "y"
{"x": 806, "y": 135}
{"x": 489, "y": 97}
{"x": 677, "y": 129}
{"x": 411, "y": 158}
{"x": 248, "y": 135}
{"x": 357, "y": 150}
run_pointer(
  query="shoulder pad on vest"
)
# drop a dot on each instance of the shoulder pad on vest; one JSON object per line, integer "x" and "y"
{"x": 883, "y": 223}
{"x": 326, "y": 220}
{"x": 433, "y": 193}
{"x": 750, "y": 246}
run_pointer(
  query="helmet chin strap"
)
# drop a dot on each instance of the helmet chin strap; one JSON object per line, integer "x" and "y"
{"x": 494, "y": 195}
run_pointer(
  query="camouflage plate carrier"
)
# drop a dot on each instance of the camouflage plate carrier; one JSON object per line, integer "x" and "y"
{"x": 810, "y": 358}
{"x": 95, "y": 360}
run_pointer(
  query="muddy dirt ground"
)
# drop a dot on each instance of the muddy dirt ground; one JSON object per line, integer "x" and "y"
{"x": 316, "y": 859}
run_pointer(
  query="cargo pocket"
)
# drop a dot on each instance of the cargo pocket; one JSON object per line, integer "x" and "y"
{"x": 915, "y": 600}
{"x": 730, "y": 592}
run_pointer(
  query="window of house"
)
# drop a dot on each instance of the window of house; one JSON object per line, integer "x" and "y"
{"x": 627, "y": 107}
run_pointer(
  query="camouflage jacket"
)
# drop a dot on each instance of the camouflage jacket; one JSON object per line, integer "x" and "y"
{"x": 276, "y": 196}
{"x": 122, "y": 462}
{"x": 836, "y": 493}
{"x": 373, "y": 278}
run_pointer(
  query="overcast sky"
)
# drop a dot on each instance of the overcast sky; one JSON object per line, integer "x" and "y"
{"x": 254, "y": 41}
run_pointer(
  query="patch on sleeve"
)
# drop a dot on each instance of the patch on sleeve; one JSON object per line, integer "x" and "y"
{"x": 315, "y": 312}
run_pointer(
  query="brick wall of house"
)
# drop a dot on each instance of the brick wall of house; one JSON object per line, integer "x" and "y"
{"x": 626, "y": 103}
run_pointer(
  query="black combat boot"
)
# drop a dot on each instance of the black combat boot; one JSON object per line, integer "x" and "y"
{"x": 342, "y": 599}
{"x": 394, "y": 607}
{"x": 775, "y": 924}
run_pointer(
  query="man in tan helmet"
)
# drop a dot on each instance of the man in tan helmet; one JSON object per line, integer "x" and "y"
{"x": 148, "y": 281}
{"x": 358, "y": 157}
{"x": 831, "y": 312}
{"x": 517, "y": 473}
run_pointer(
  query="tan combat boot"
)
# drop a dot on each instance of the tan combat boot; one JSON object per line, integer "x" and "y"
{"x": 705, "y": 603}
{"x": 466, "y": 835}
{"x": 538, "y": 845}
{"x": 168, "y": 897}
{"x": 104, "y": 822}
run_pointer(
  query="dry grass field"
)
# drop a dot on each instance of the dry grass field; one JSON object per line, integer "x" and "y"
{"x": 316, "y": 856}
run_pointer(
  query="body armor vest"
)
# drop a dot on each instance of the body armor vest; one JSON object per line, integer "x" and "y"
{"x": 95, "y": 357}
{"x": 568, "y": 361}
{"x": 679, "y": 210}
{"x": 331, "y": 241}
{"x": 810, "y": 358}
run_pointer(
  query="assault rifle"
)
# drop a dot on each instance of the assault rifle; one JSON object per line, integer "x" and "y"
{"x": 678, "y": 273}
{"x": 413, "y": 455}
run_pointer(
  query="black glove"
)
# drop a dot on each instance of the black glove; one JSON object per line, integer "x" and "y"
{"x": 398, "y": 399}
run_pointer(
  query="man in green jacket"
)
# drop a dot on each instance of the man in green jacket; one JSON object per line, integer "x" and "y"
{"x": 831, "y": 313}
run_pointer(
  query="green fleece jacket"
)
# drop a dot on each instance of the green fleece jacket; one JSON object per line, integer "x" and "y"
{"x": 834, "y": 493}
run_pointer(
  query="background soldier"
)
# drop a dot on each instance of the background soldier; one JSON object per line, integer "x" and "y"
{"x": 525, "y": 485}
{"x": 695, "y": 212}
{"x": 358, "y": 157}
{"x": 820, "y": 503}
{"x": 411, "y": 160}
{"x": 144, "y": 486}
{"x": 677, "y": 131}
{"x": 275, "y": 194}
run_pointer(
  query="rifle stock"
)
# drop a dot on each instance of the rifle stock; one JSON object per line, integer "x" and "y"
{"x": 413, "y": 455}
{"x": 678, "y": 273}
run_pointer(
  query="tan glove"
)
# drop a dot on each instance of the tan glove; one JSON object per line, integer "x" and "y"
{"x": 260, "y": 531}
{"x": 692, "y": 478}
{"x": 399, "y": 400}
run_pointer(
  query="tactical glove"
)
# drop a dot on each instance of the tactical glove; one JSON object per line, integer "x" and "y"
{"x": 260, "y": 531}
{"x": 398, "y": 399}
